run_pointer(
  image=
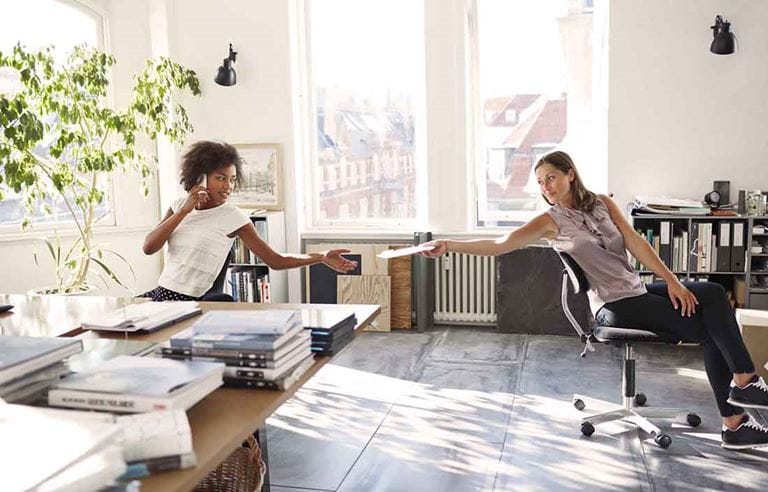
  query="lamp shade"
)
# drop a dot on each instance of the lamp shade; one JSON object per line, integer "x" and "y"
{"x": 226, "y": 75}
{"x": 724, "y": 42}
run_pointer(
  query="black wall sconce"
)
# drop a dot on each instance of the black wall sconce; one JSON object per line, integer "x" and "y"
{"x": 724, "y": 42}
{"x": 226, "y": 75}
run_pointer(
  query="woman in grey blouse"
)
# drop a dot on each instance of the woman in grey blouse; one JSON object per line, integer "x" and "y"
{"x": 592, "y": 229}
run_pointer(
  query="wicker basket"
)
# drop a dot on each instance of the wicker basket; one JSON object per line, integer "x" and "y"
{"x": 242, "y": 471}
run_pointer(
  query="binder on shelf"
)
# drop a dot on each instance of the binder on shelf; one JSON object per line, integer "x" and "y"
{"x": 724, "y": 247}
{"x": 665, "y": 243}
{"x": 737, "y": 250}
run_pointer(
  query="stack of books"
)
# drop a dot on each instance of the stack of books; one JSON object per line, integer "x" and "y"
{"x": 46, "y": 450}
{"x": 264, "y": 349}
{"x": 30, "y": 365}
{"x": 331, "y": 330}
{"x": 131, "y": 384}
{"x": 143, "y": 317}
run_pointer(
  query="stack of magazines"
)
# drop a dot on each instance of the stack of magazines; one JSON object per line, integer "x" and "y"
{"x": 669, "y": 206}
{"x": 266, "y": 349}
{"x": 29, "y": 365}
{"x": 331, "y": 330}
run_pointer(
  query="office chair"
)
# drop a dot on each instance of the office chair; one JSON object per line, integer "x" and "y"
{"x": 631, "y": 410}
{"x": 216, "y": 292}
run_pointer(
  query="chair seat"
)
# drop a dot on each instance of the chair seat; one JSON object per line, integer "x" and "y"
{"x": 614, "y": 334}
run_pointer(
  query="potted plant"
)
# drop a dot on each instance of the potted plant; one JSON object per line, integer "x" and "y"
{"x": 61, "y": 140}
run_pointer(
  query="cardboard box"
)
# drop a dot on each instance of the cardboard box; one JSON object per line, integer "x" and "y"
{"x": 754, "y": 330}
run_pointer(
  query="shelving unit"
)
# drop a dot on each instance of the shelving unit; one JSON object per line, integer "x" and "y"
{"x": 747, "y": 272}
{"x": 247, "y": 273}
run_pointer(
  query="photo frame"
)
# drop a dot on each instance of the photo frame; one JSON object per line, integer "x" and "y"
{"x": 261, "y": 184}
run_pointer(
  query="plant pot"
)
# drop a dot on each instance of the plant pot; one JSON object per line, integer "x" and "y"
{"x": 46, "y": 291}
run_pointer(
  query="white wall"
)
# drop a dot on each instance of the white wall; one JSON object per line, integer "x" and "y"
{"x": 679, "y": 116}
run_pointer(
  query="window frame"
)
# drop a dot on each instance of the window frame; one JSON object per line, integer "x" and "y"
{"x": 308, "y": 165}
{"x": 14, "y": 232}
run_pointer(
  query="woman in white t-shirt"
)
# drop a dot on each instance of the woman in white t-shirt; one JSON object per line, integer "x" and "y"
{"x": 201, "y": 227}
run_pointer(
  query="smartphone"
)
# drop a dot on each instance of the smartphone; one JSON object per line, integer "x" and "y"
{"x": 202, "y": 181}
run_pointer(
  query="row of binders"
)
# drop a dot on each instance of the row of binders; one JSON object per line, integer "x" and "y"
{"x": 708, "y": 247}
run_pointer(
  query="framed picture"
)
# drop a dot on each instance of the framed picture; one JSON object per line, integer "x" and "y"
{"x": 262, "y": 177}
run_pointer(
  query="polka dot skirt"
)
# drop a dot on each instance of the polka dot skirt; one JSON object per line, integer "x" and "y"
{"x": 162, "y": 294}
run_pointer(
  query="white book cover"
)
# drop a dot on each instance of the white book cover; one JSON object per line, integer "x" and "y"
{"x": 143, "y": 316}
{"x": 250, "y": 322}
{"x": 37, "y": 444}
{"x": 155, "y": 434}
{"x": 138, "y": 384}
{"x": 126, "y": 374}
{"x": 22, "y": 355}
{"x": 95, "y": 472}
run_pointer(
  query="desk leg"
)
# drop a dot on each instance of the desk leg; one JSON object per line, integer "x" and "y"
{"x": 261, "y": 437}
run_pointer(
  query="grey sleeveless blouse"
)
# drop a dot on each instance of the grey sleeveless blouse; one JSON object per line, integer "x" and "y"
{"x": 594, "y": 241}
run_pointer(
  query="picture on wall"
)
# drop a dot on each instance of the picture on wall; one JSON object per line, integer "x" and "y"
{"x": 261, "y": 181}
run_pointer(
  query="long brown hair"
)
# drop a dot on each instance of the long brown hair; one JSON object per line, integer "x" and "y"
{"x": 583, "y": 199}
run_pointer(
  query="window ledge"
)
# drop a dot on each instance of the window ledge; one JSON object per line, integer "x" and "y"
{"x": 32, "y": 234}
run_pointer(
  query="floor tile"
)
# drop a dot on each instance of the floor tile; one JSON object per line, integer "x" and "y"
{"x": 469, "y": 345}
{"x": 394, "y": 463}
{"x": 315, "y": 437}
{"x": 545, "y": 450}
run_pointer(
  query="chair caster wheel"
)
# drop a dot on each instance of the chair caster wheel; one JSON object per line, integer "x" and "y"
{"x": 587, "y": 428}
{"x": 693, "y": 419}
{"x": 640, "y": 399}
{"x": 579, "y": 403}
{"x": 663, "y": 440}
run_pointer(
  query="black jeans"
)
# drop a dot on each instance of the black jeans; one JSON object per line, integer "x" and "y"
{"x": 713, "y": 325}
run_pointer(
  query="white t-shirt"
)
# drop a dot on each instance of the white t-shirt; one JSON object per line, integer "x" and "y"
{"x": 198, "y": 248}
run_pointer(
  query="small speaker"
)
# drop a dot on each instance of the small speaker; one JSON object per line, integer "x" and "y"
{"x": 724, "y": 189}
{"x": 742, "y": 202}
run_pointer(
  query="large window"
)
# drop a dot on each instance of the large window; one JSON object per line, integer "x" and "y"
{"x": 62, "y": 24}
{"x": 532, "y": 79}
{"x": 366, "y": 66}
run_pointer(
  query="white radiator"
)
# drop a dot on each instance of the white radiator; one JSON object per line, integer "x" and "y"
{"x": 465, "y": 289}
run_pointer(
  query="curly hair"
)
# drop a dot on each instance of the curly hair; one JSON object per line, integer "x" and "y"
{"x": 206, "y": 156}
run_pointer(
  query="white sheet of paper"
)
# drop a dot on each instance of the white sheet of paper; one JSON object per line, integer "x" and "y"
{"x": 412, "y": 250}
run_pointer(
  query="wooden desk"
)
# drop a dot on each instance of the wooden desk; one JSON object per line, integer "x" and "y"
{"x": 226, "y": 417}
{"x": 53, "y": 316}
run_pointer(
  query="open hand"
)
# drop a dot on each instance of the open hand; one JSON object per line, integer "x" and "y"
{"x": 440, "y": 248}
{"x": 333, "y": 259}
{"x": 682, "y": 298}
{"x": 197, "y": 196}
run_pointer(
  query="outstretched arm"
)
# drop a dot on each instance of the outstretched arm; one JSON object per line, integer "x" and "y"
{"x": 541, "y": 227}
{"x": 279, "y": 261}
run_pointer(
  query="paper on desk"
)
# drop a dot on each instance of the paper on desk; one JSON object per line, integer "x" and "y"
{"x": 412, "y": 250}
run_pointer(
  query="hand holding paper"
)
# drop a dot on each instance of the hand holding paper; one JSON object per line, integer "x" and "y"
{"x": 411, "y": 250}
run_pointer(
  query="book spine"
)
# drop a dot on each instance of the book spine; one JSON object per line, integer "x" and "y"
{"x": 99, "y": 401}
{"x": 235, "y": 382}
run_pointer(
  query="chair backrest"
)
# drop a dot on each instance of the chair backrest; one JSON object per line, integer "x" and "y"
{"x": 218, "y": 284}
{"x": 575, "y": 273}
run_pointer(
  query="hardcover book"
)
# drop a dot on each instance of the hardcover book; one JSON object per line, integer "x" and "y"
{"x": 138, "y": 384}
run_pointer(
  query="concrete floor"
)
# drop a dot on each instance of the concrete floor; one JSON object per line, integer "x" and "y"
{"x": 464, "y": 409}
